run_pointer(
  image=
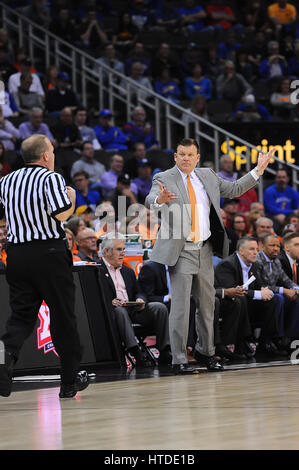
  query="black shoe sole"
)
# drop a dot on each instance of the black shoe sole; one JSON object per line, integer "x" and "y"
{"x": 5, "y": 381}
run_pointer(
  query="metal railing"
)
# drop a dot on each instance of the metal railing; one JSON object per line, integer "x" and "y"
{"x": 100, "y": 86}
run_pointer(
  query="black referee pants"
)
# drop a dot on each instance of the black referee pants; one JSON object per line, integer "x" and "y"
{"x": 35, "y": 272}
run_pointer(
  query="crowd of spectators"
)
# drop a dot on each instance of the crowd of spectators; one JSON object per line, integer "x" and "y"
{"x": 230, "y": 50}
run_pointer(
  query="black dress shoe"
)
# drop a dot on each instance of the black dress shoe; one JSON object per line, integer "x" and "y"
{"x": 70, "y": 390}
{"x": 6, "y": 370}
{"x": 183, "y": 369}
{"x": 270, "y": 349}
{"x": 211, "y": 364}
{"x": 223, "y": 351}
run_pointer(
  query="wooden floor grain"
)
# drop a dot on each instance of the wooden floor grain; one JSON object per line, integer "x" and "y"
{"x": 242, "y": 409}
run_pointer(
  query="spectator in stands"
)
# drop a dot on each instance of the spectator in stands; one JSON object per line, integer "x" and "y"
{"x": 90, "y": 31}
{"x": 138, "y": 154}
{"x": 5, "y": 167}
{"x": 259, "y": 207}
{"x": 8, "y": 43}
{"x": 87, "y": 133}
{"x": 140, "y": 130}
{"x": 109, "y": 58}
{"x": 228, "y": 49}
{"x": 213, "y": 64}
{"x": 260, "y": 301}
{"x": 221, "y": 14}
{"x": 109, "y": 135}
{"x": 256, "y": 16}
{"x": 280, "y": 199}
{"x": 137, "y": 75}
{"x": 257, "y": 50}
{"x": 293, "y": 63}
{"x": 87, "y": 214}
{"x": 101, "y": 7}
{"x": 191, "y": 55}
{"x": 289, "y": 256}
{"x": 244, "y": 65}
{"x": 9, "y": 107}
{"x": 88, "y": 164}
{"x": 26, "y": 99}
{"x": 250, "y": 111}
{"x": 35, "y": 125}
{"x": 230, "y": 207}
{"x": 238, "y": 225}
{"x": 275, "y": 65}
{"x": 87, "y": 246}
{"x": 14, "y": 80}
{"x": 247, "y": 199}
{"x": 50, "y": 80}
{"x": 281, "y": 101}
{"x": 19, "y": 58}
{"x": 126, "y": 35}
{"x": 167, "y": 86}
{"x": 232, "y": 86}
{"x": 9, "y": 134}
{"x": 282, "y": 15}
{"x": 71, "y": 240}
{"x": 75, "y": 224}
{"x": 198, "y": 107}
{"x": 109, "y": 178}
{"x": 192, "y": 16}
{"x": 84, "y": 195}
{"x": 63, "y": 25}
{"x": 123, "y": 188}
{"x": 263, "y": 225}
{"x": 227, "y": 169}
{"x": 139, "y": 55}
{"x": 167, "y": 17}
{"x": 120, "y": 285}
{"x": 165, "y": 57}
{"x": 37, "y": 12}
{"x": 61, "y": 96}
{"x": 140, "y": 15}
{"x": 197, "y": 84}
{"x": 142, "y": 184}
{"x": 65, "y": 132}
{"x": 6, "y": 67}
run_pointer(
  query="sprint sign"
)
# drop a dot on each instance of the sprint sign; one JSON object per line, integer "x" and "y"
{"x": 44, "y": 339}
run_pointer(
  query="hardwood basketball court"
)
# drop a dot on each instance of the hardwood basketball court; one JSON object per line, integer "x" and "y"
{"x": 246, "y": 407}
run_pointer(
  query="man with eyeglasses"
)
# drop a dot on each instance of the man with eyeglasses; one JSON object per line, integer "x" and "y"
{"x": 120, "y": 286}
{"x": 87, "y": 246}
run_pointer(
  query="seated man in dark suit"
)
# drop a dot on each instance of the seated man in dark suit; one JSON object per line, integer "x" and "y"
{"x": 154, "y": 282}
{"x": 289, "y": 256}
{"x": 261, "y": 304}
{"x": 121, "y": 286}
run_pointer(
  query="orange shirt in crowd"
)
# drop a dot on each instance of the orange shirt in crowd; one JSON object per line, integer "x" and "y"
{"x": 285, "y": 15}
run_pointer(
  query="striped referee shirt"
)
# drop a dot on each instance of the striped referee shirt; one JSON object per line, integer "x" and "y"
{"x": 30, "y": 199}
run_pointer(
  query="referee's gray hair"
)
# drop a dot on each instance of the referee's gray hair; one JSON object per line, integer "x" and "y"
{"x": 108, "y": 240}
{"x": 33, "y": 147}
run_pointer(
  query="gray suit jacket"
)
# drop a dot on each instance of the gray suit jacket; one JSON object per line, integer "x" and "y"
{"x": 176, "y": 216}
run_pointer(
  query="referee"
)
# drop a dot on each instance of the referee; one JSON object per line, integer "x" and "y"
{"x": 35, "y": 201}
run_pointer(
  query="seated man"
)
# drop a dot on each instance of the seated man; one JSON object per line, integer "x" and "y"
{"x": 84, "y": 195}
{"x": 87, "y": 163}
{"x": 65, "y": 132}
{"x": 280, "y": 199}
{"x": 109, "y": 178}
{"x": 124, "y": 189}
{"x": 120, "y": 287}
{"x": 289, "y": 256}
{"x": 140, "y": 130}
{"x": 141, "y": 185}
{"x": 87, "y": 133}
{"x": 26, "y": 99}
{"x": 109, "y": 135}
{"x": 35, "y": 125}
{"x": 62, "y": 95}
{"x": 9, "y": 134}
{"x": 87, "y": 246}
{"x": 271, "y": 274}
{"x": 234, "y": 271}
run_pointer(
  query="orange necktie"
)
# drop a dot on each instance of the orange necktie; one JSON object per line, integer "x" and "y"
{"x": 295, "y": 272}
{"x": 194, "y": 213}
